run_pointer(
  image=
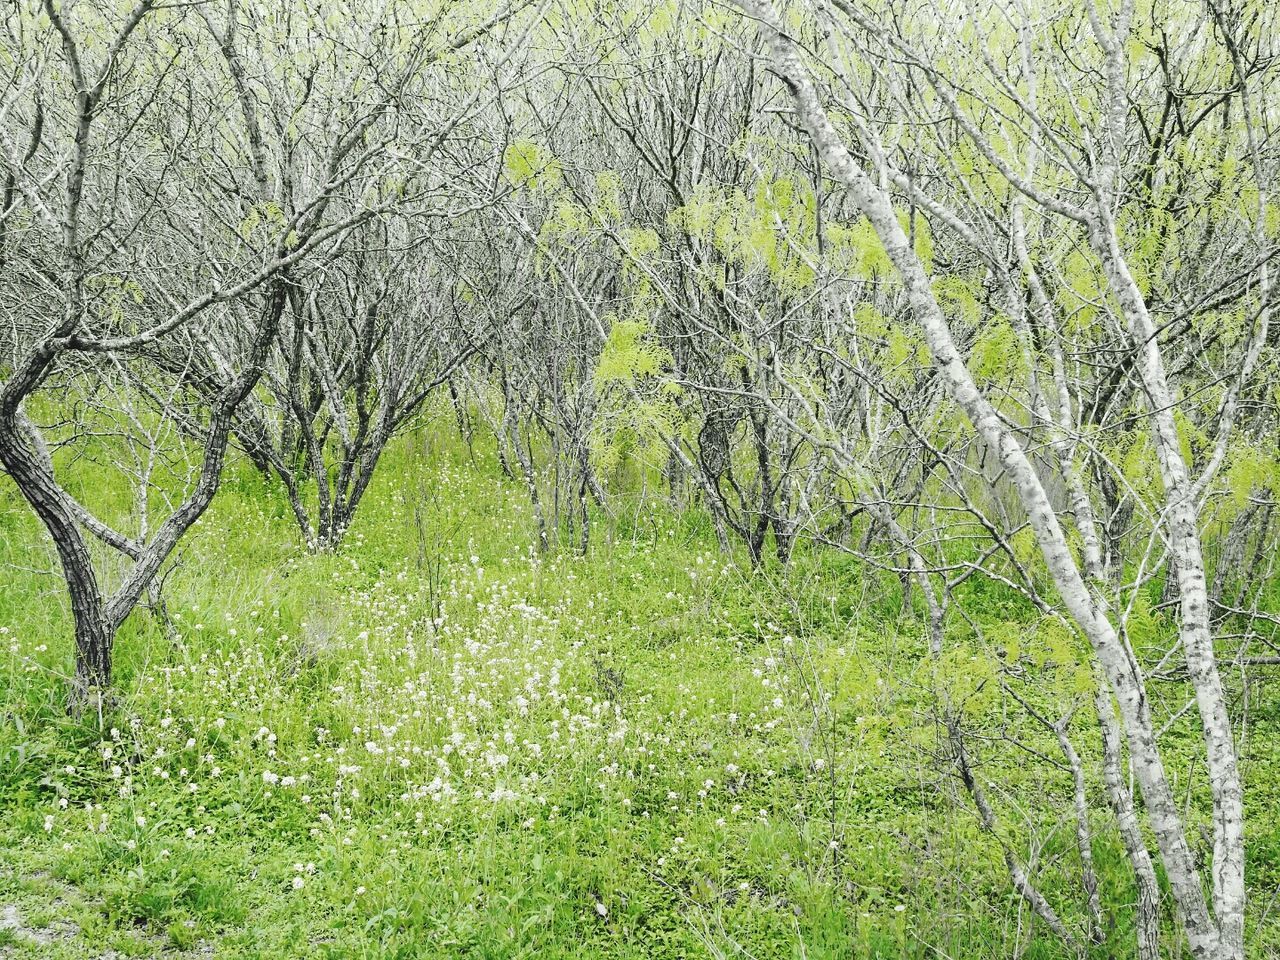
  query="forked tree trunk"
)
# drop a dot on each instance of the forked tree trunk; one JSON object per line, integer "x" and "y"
{"x": 94, "y": 635}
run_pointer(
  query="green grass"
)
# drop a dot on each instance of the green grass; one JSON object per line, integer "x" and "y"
{"x": 645, "y": 752}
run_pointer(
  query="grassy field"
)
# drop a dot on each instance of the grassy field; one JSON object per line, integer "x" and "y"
{"x": 433, "y": 743}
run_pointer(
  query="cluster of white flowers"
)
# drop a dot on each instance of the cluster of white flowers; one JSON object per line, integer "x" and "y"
{"x": 495, "y": 706}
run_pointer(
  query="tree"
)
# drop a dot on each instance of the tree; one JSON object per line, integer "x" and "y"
{"x": 137, "y": 195}
{"x": 1214, "y": 926}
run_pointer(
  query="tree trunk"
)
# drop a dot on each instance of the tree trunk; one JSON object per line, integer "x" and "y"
{"x": 94, "y": 634}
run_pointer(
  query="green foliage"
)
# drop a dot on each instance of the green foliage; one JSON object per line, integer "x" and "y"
{"x": 266, "y": 219}
{"x": 608, "y": 194}
{"x": 630, "y": 354}
{"x": 1251, "y": 468}
{"x": 1081, "y": 294}
{"x": 967, "y": 680}
{"x": 859, "y": 245}
{"x": 1136, "y": 455}
{"x": 526, "y": 164}
{"x": 637, "y": 414}
{"x": 997, "y": 355}
{"x": 772, "y": 228}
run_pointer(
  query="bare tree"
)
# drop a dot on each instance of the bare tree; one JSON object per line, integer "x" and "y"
{"x": 137, "y": 192}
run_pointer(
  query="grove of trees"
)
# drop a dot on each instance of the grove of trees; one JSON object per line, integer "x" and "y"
{"x": 971, "y": 292}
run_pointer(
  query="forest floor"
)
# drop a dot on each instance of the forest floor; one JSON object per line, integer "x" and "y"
{"x": 434, "y": 743}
